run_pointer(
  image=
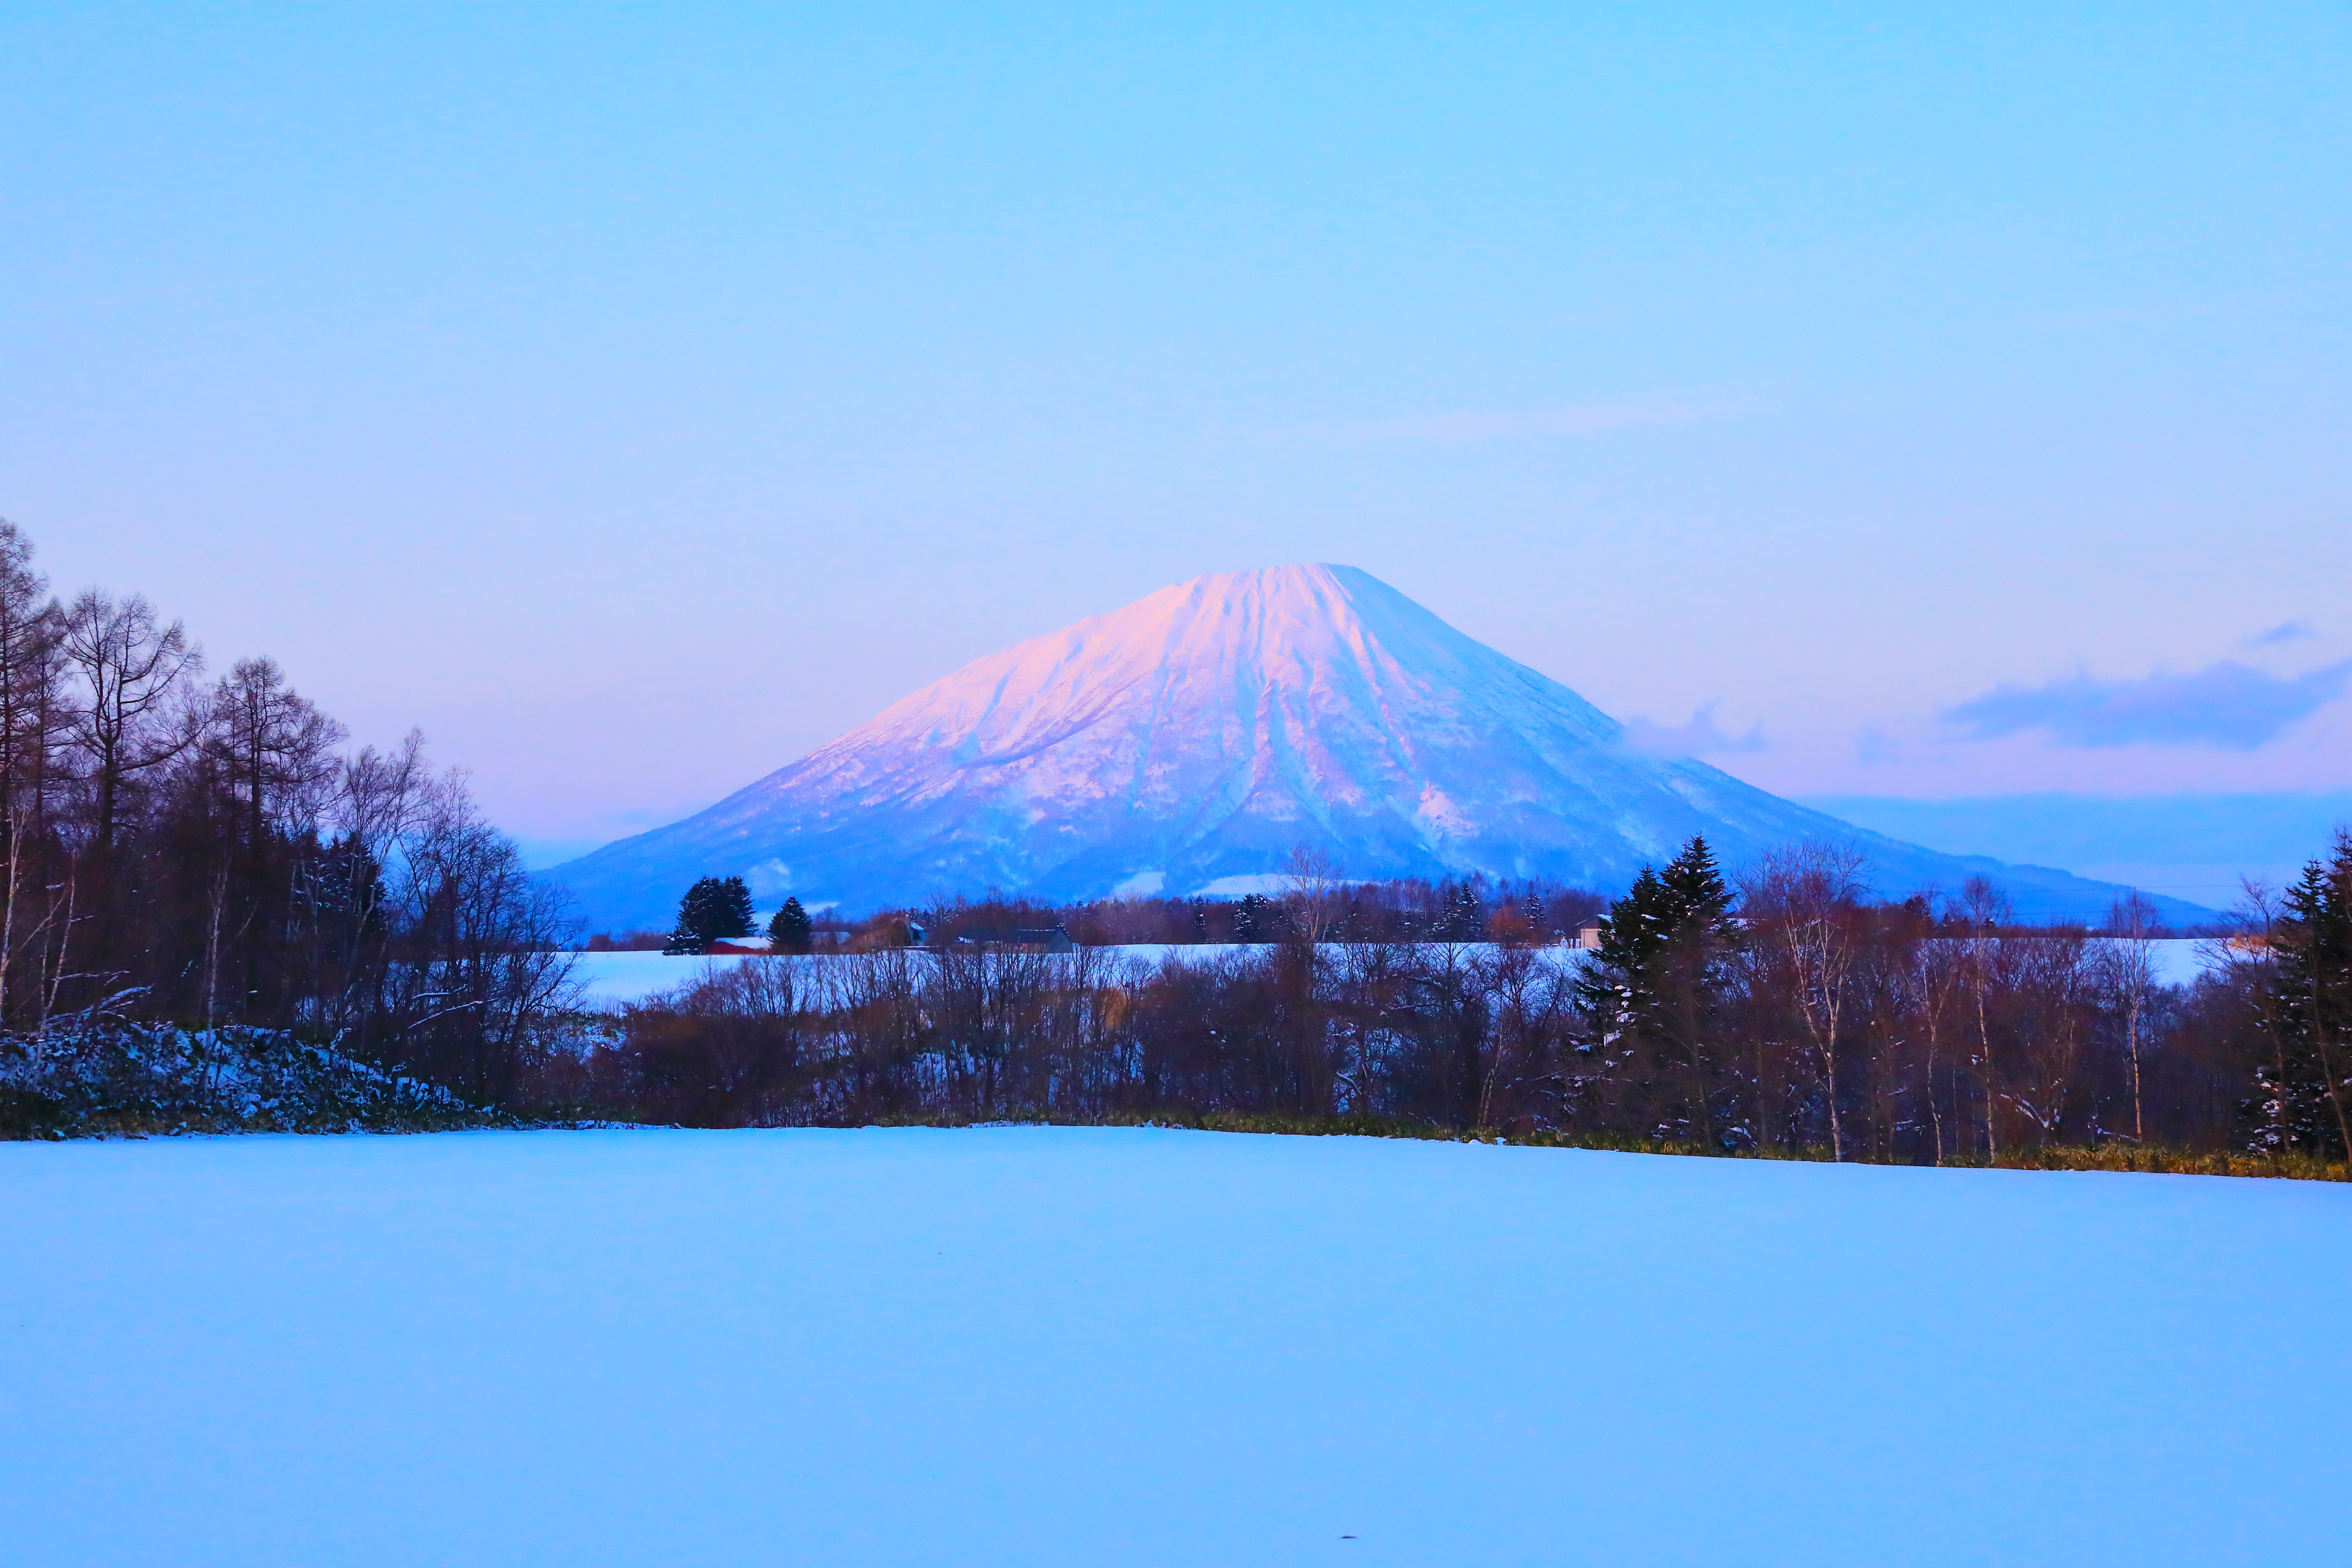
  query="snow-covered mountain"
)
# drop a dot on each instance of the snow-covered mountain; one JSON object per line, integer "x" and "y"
{"x": 1188, "y": 743}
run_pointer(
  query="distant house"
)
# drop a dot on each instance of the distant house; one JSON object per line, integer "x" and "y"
{"x": 1022, "y": 939}
{"x": 1586, "y": 932}
{"x": 738, "y": 944}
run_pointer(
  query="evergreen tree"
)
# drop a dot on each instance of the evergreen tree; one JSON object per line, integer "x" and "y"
{"x": 2304, "y": 1077}
{"x": 1613, "y": 983}
{"x": 1654, "y": 988}
{"x": 1250, "y": 918}
{"x": 1469, "y": 922}
{"x": 791, "y": 930}
{"x": 1461, "y": 913}
{"x": 734, "y": 909}
{"x": 714, "y": 908}
{"x": 1701, "y": 899}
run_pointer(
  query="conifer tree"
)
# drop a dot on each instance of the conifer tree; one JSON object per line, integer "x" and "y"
{"x": 713, "y": 909}
{"x": 1469, "y": 922}
{"x": 1653, "y": 990}
{"x": 1701, "y": 899}
{"x": 1253, "y": 918}
{"x": 1461, "y": 913}
{"x": 791, "y": 930}
{"x": 1613, "y": 986}
{"x": 734, "y": 909}
{"x": 2304, "y": 1080}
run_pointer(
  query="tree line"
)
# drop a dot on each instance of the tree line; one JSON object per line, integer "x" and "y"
{"x": 207, "y": 852}
{"x": 1469, "y": 908}
{"x": 1784, "y": 1012}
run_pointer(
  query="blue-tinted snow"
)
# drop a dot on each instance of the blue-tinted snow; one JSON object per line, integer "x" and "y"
{"x": 1136, "y": 1347}
{"x": 611, "y": 980}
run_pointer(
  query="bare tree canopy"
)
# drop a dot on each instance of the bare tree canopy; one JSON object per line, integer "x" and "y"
{"x": 134, "y": 673}
{"x": 1312, "y": 892}
{"x": 277, "y": 747}
{"x": 32, "y": 690}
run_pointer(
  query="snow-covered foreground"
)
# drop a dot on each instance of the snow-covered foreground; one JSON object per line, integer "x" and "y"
{"x": 1054, "y": 1346}
{"x": 611, "y": 980}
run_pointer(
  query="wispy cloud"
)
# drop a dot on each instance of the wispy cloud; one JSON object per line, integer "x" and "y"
{"x": 1466, "y": 426}
{"x": 1701, "y": 736}
{"x": 1875, "y": 744}
{"x": 2227, "y": 705}
{"x": 2285, "y": 632}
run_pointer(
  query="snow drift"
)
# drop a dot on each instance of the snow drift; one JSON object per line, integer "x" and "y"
{"x": 1188, "y": 743}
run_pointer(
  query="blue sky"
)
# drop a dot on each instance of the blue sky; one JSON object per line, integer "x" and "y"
{"x": 1949, "y": 404}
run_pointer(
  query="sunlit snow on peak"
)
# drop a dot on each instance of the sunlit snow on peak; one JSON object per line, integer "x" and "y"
{"x": 1193, "y": 738}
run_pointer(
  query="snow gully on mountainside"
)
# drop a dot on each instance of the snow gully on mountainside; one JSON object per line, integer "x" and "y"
{"x": 1200, "y": 734}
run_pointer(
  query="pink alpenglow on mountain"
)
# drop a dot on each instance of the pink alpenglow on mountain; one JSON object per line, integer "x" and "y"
{"x": 1188, "y": 743}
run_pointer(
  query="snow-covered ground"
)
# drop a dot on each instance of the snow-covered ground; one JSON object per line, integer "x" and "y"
{"x": 610, "y": 980}
{"x": 1090, "y": 1347}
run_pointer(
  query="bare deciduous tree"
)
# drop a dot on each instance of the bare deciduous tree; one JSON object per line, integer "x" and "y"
{"x": 32, "y": 719}
{"x": 2126, "y": 968}
{"x": 1984, "y": 910}
{"x": 277, "y": 748}
{"x": 2053, "y": 981}
{"x": 1312, "y": 894}
{"x": 1805, "y": 899}
{"x": 131, "y": 716}
{"x": 1933, "y": 977}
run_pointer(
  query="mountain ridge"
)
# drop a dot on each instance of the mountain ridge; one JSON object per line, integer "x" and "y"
{"x": 1192, "y": 738}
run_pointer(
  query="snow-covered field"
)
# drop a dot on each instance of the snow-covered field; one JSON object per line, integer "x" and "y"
{"x": 610, "y": 980}
{"x": 1110, "y": 1347}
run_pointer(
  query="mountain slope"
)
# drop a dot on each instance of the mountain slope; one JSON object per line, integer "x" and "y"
{"x": 1187, "y": 742}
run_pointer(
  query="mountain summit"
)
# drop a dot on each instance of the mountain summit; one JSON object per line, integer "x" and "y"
{"x": 1188, "y": 743}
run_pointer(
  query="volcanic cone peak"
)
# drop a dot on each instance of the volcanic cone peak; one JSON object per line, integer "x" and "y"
{"x": 1300, "y": 682}
{"x": 1188, "y": 741}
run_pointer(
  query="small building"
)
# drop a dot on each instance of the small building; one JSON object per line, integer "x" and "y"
{"x": 735, "y": 944}
{"x": 1019, "y": 939}
{"x": 1585, "y": 933}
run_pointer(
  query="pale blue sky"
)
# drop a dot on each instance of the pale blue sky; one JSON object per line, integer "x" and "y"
{"x": 634, "y": 398}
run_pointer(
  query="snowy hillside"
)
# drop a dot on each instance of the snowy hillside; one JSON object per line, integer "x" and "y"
{"x": 1187, "y": 742}
{"x": 1052, "y": 1347}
